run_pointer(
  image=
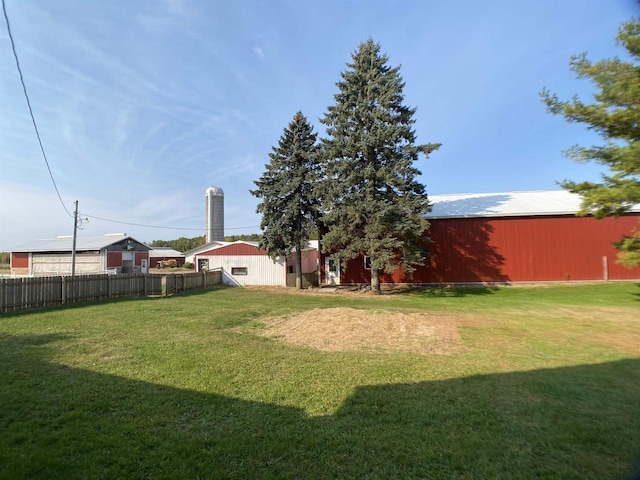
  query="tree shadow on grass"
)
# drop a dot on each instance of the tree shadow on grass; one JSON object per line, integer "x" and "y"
{"x": 440, "y": 291}
{"x": 447, "y": 291}
{"x": 61, "y": 422}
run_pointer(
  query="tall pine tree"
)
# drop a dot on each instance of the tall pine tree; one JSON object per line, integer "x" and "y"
{"x": 374, "y": 204}
{"x": 615, "y": 115}
{"x": 289, "y": 204}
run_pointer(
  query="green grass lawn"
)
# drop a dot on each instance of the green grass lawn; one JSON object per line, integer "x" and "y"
{"x": 545, "y": 384}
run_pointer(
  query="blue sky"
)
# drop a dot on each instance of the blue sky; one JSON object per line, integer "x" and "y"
{"x": 141, "y": 105}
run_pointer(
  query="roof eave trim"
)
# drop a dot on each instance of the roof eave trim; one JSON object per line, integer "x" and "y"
{"x": 502, "y": 215}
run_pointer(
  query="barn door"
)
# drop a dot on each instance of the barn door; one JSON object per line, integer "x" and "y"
{"x": 127, "y": 262}
{"x": 332, "y": 271}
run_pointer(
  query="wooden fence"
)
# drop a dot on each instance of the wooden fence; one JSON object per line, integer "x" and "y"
{"x": 38, "y": 292}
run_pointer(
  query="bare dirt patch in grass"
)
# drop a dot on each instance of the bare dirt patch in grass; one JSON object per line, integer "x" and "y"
{"x": 350, "y": 329}
{"x": 624, "y": 343}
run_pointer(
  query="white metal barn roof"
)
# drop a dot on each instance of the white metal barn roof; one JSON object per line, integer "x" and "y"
{"x": 164, "y": 252}
{"x": 65, "y": 244}
{"x": 205, "y": 247}
{"x": 508, "y": 204}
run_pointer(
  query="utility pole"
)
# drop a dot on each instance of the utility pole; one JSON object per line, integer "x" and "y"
{"x": 75, "y": 234}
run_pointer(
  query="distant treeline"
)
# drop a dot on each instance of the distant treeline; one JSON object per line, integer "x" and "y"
{"x": 5, "y": 258}
{"x": 183, "y": 244}
{"x": 252, "y": 237}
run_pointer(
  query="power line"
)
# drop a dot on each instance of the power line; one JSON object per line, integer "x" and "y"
{"x": 26, "y": 96}
{"x": 44, "y": 155}
{"x": 159, "y": 226}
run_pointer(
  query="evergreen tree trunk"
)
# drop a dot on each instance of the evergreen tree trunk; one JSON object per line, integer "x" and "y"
{"x": 375, "y": 281}
{"x": 299, "y": 268}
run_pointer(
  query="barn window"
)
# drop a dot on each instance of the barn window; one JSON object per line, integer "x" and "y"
{"x": 367, "y": 262}
{"x": 333, "y": 266}
{"x": 291, "y": 269}
{"x": 239, "y": 271}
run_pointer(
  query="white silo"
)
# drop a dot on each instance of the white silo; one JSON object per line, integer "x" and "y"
{"x": 214, "y": 214}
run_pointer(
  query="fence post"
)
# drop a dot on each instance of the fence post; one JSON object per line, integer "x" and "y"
{"x": 63, "y": 293}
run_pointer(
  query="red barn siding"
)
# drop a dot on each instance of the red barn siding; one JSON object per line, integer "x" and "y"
{"x": 516, "y": 249}
{"x": 114, "y": 259}
{"x": 19, "y": 260}
{"x": 309, "y": 261}
{"x": 139, "y": 257}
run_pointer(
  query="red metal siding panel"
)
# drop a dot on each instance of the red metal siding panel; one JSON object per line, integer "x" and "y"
{"x": 462, "y": 251}
{"x": 516, "y": 249}
{"x": 309, "y": 261}
{"x": 19, "y": 260}
{"x": 355, "y": 272}
{"x": 559, "y": 248}
{"x": 141, "y": 256}
{"x": 114, "y": 259}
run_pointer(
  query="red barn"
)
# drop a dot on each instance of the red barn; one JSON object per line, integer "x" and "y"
{"x": 508, "y": 237}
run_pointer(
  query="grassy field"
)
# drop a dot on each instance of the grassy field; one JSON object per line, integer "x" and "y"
{"x": 515, "y": 383}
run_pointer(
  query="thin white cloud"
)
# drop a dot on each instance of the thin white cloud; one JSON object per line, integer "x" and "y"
{"x": 122, "y": 127}
{"x": 245, "y": 167}
{"x": 258, "y": 51}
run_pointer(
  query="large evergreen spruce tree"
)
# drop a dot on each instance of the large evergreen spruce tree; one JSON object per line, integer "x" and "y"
{"x": 373, "y": 203}
{"x": 289, "y": 203}
{"x": 615, "y": 115}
